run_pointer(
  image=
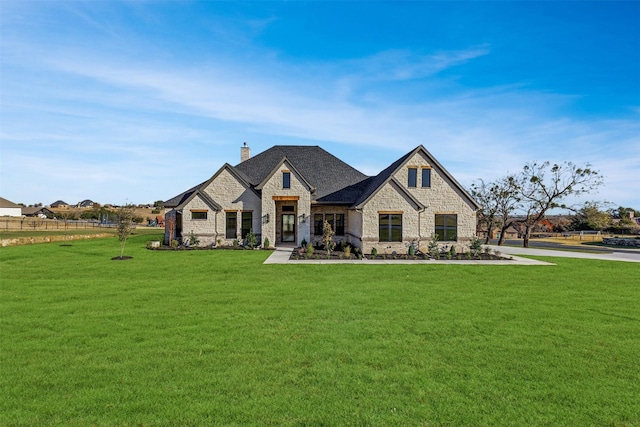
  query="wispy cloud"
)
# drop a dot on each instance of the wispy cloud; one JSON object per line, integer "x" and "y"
{"x": 405, "y": 64}
{"x": 148, "y": 114}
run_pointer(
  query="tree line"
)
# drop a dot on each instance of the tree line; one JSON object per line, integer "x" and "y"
{"x": 524, "y": 199}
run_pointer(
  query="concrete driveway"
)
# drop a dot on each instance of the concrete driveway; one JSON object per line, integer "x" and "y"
{"x": 626, "y": 255}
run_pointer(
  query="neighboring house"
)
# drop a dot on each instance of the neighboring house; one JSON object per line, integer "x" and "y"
{"x": 59, "y": 204}
{"x": 40, "y": 212}
{"x": 286, "y": 193}
{"x": 85, "y": 204}
{"x": 510, "y": 233}
{"x": 8, "y": 208}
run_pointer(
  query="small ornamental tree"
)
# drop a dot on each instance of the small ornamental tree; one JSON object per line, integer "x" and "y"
{"x": 251, "y": 241}
{"x": 327, "y": 238}
{"x": 193, "y": 240}
{"x": 475, "y": 246}
{"x": 433, "y": 248}
{"x": 125, "y": 225}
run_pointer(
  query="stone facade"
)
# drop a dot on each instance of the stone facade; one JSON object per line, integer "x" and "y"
{"x": 286, "y": 215}
{"x": 389, "y": 201}
{"x": 233, "y": 196}
{"x": 275, "y": 198}
{"x": 205, "y": 229}
{"x": 418, "y": 223}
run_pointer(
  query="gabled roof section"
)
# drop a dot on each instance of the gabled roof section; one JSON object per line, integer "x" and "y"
{"x": 241, "y": 177}
{"x": 278, "y": 167}
{"x": 204, "y": 197}
{"x": 398, "y": 187}
{"x": 180, "y": 198}
{"x": 321, "y": 170}
{"x": 177, "y": 200}
{"x": 463, "y": 193}
{"x": 386, "y": 175}
{"x": 378, "y": 181}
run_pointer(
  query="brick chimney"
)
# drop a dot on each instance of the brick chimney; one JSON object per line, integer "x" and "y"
{"x": 245, "y": 152}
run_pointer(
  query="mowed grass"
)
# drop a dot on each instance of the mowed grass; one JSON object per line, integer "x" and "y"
{"x": 217, "y": 338}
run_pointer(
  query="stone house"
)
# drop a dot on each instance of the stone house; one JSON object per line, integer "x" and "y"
{"x": 286, "y": 193}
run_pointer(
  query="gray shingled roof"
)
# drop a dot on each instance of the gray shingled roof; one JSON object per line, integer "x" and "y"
{"x": 325, "y": 172}
{"x": 177, "y": 200}
{"x": 335, "y": 182}
{"x": 333, "y": 179}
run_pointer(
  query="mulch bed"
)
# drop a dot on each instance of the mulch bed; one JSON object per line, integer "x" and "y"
{"x": 206, "y": 248}
{"x": 300, "y": 255}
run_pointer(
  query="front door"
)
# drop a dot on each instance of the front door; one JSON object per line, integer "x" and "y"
{"x": 288, "y": 228}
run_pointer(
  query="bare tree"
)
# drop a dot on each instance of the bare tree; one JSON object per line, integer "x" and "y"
{"x": 499, "y": 199}
{"x": 543, "y": 186}
{"x": 484, "y": 193}
{"x": 125, "y": 225}
{"x": 508, "y": 200}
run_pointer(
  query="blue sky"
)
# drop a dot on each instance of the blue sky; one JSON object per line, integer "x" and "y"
{"x": 137, "y": 101}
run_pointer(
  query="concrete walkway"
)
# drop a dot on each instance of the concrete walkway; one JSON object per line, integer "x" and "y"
{"x": 281, "y": 256}
{"x": 614, "y": 256}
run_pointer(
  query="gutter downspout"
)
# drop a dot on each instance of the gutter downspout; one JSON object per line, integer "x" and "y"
{"x": 420, "y": 225}
{"x": 358, "y": 210}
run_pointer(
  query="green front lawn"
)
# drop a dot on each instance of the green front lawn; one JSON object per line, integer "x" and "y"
{"x": 192, "y": 338}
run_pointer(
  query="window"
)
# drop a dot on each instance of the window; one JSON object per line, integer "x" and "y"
{"x": 247, "y": 220}
{"x": 426, "y": 177}
{"x": 232, "y": 225}
{"x": 336, "y": 221}
{"x": 390, "y": 227}
{"x": 198, "y": 214}
{"x": 413, "y": 177}
{"x": 447, "y": 227}
{"x": 339, "y": 230}
{"x": 286, "y": 179}
{"x": 318, "y": 223}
